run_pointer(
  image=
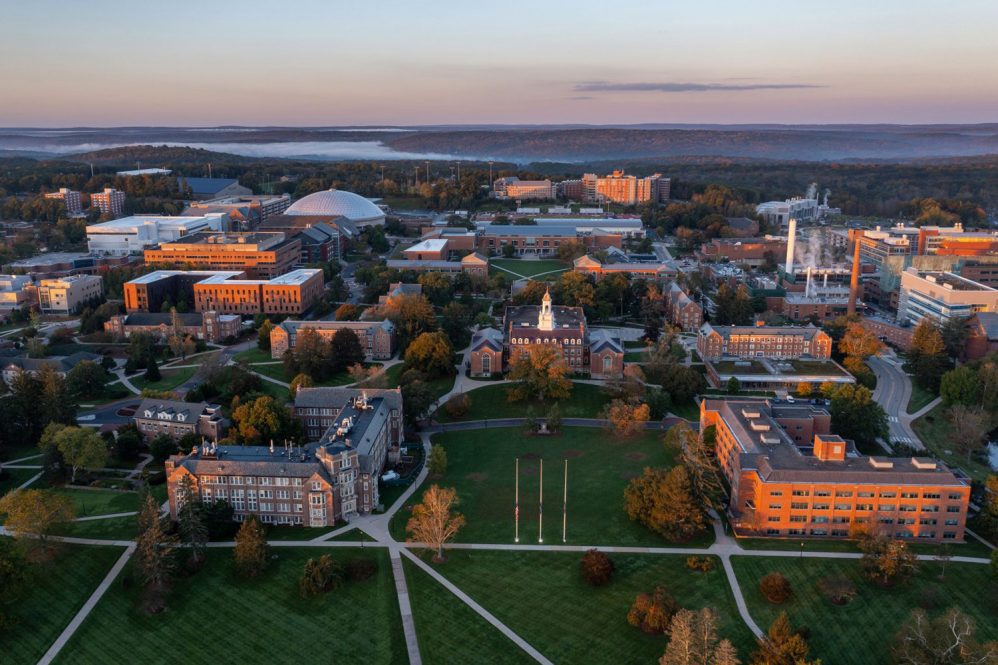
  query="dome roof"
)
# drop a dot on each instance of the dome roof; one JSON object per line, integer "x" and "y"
{"x": 338, "y": 202}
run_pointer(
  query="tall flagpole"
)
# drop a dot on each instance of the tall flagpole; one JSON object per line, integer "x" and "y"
{"x": 516, "y": 505}
{"x": 564, "y": 505}
{"x": 540, "y": 508}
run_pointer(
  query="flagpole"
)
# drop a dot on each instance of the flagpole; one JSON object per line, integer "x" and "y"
{"x": 540, "y": 508}
{"x": 516, "y": 505}
{"x": 564, "y": 505}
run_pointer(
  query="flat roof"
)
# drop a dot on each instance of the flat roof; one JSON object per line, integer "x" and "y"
{"x": 157, "y": 275}
{"x": 140, "y": 220}
{"x": 428, "y": 245}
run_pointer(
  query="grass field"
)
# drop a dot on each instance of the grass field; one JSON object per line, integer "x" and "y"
{"x": 919, "y": 397}
{"x": 217, "y": 617}
{"x": 528, "y": 268}
{"x": 972, "y": 547}
{"x": 115, "y": 528}
{"x": 586, "y": 401}
{"x": 254, "y": 355}
{"x": 861, "y": 632}
{"x": 277, "y": 371}
{"x": 99, "y": 502}
{"x": 57, "y": 591}
{"x": 481, "y": 466}
{"x": 14, "y": 478}
{"x": 540, "y": 596}
{"x": 934, "y": 431}
{"x": 170, "y": 379}
{"x": 450, "y": 632}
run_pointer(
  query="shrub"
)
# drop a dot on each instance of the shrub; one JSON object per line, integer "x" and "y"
{"x": 320, "y": 575}
{"x": 839, "y": 589}
{"x": 458, "y": 406}
{"x": 929, "y": 598}
{"x": 596, "y": 568}
{"x": 653, "y": 613}
{"x": 702, "y": 563}
{"x": 436, "y": 465}
{"x": 775, "y": 588}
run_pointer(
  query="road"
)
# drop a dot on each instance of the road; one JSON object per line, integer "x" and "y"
{"x": 893, "y": 394}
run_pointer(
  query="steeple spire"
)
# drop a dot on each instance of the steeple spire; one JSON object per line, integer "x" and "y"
{"x": 546, "y": 319}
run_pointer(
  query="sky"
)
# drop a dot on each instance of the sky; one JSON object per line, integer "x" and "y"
{"x": 302, "y": 62}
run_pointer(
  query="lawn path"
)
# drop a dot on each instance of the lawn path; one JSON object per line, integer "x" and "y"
{"x": 87, "y": 607}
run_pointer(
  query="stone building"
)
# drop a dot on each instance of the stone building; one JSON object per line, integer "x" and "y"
{"x": 176, "y": 419}
{"x": 378, "y": 338}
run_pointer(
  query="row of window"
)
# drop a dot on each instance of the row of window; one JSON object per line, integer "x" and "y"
{"x": 251, "y": 480}
{"x": 885, "y": 494}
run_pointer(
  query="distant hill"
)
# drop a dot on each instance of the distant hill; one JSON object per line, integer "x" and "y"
{"x": 156, "y": 156}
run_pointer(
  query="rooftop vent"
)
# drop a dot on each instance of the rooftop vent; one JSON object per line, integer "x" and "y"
{"x": 750, "y": 414}
{"x": 772, "y": 440}
{"x": 881, "y": 463}
{"x": 923, "y": 463}
{"x": 759, "y": 427}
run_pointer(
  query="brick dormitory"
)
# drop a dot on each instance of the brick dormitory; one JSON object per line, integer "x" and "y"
{"x": 790, "y": 476}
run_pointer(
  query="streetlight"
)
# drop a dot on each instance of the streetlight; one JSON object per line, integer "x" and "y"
{"x": 802, "y": 549}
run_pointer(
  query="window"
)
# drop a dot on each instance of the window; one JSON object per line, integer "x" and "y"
{"x": 951, "y": 522}
{"x": 887, "y": 507}
{"x": 906, "y": 508}
{"x": 773, "y": 518}
{"x": 775, "y": 506}
{"x": 865, "y": 495}
{"x": 316, "y": 486}
{"x": 954, "y": 497}
{"x": 798, "y": 518}
{"x": 842, "y": 506}
{"x": 909, "y": 495}
{"x": 801, "y": 493}
{"x": 798, "y": 506}
{"x": 888, "y": 495}
{"x": 952, "y": 509}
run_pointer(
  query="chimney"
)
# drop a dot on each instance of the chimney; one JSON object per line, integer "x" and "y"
{"x": 854, "y": 279}
{"x": 791, "y": 239}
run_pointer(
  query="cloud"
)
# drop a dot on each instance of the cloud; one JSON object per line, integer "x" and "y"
{"x": 606, "y": 86}
{"x": 581, "y": 97}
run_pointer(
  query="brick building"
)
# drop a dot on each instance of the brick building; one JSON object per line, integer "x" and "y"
{"x": 790, "y": 476}
{"x": 681, "y": 311}
{"x": 226, "y": 292}
{"x": 715, "y": 342}
{"x": 70, "y": 198}
{"x": 110, "y": 202}
{"x": 594, "y": 353}
{"x": 378, "y": 338}
{"x": 68, "y": 295}
{"x": 176, "y": 419}
{"x": 316, "y": 484}
{"x": 743, "y": 252}
{"x": 588, "y": 265}
{"x": 260, "y": 255}
{"x": 208, "y": 326}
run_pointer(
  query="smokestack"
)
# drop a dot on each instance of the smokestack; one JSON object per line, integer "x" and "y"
{"x": 854, "y": 279}
{"x": 807, "y": 284}
{"x": 791, "y": 239}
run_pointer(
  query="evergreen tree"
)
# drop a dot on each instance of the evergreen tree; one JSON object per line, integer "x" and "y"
{"x": 251, "y": 548}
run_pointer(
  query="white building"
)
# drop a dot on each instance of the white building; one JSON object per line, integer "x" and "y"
{"x": 941, "y": 296}
{"x": 514, "y": 188}
{"x": 13, "y": 292}
{"x": 68, "y": 295}
{"x": 130, "y": 235}
{"x": 779, "y": 212}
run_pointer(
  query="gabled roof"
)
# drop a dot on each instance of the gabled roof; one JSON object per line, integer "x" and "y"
{"x": 487, "y": 338}
{"x": 601, "y": 339}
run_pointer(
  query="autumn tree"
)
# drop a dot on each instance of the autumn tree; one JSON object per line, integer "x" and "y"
{"x": 928, "y": 355}
{"x": 436, "y": 463}
{"x": 300, "y": 381}
{"x": 35, "y": 513}
{"x": 950, "y": 638}
{"x": 782, "y": 645}
{"x": 86, "y": 379}
{"x": 663, "y": 501}
{"x": 839, "y": 589}
{"x": 261, "y": 421}
{"x": 886, "y": 561}
{"x": 347, "y": 312}
{"x": 263, "y": 335}
{"x": 856, "y": 416}
{"x": 858, "y": 342}
{"x": 432, "y": 354}
{"x": 653, "y": 612}
{"x": 539, "y": 373}
{"x": 596, "y": 568}
{"x": 412, "y": 315}
{"x": 624, "y": 419}
{"x": 250, "y": 552}
{"x": 575, "y": 289}
{"x": 775, "y": 588}
{"x": 434, "y": 520}
{"x": 320, "y": 575}
{"x": 698, "y": 453}
{"x": 80, "y": 448}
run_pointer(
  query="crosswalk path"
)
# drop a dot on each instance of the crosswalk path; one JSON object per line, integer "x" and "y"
{"x": 892, "y": 419}
{"x": 902, "y": 439}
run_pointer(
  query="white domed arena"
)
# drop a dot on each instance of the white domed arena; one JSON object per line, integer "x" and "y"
{"x": 332, "y": 202}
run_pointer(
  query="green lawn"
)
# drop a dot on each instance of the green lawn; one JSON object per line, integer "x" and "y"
{"x": 971, "y": 547}
{"x": 254, "y": 355}
{"x": 540, "y": 596}
{"x": 861, "y": 633}
{"x": 450, "y": 632}
{"x": 481, "y": 466}
{"x": 817, "y": 367}
{"x": 528, "y": 268}
{"x": 739, "y": 367}
{"x": 919, "y": 397}
{"x": 586, "y": 401}
{"x": 277, "y": 371}
{"x": 115, "y": 528}
{"x": 99, "y": 502}
{"x": 13, "y": 478}
{"x": 217, "y": 617}
{"x": 170, "y": 379}
{"x": 934, "y": 431}
{"x": 57, "y": 591}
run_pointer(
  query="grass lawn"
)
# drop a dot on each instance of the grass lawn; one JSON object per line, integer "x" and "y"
{"x": 528, "y": 268}
{"x": 99, "y": 502}
{"x": 934, "y": 430}
{"x": 816, "y": 367}
{"x": 970, "y": 547}
{"x": 170, "y": 379}
{"x": 57, "y": 591}
{"x": 739, "y": 367}
{"x": 919, "y": 397}
{"x": 450, "y": 632}
{"x": 540, "y": 596}
{"x": 217, "y": 617}
{"x": 861, "y": 632}
{"x": 116, "y": 528}
{"x": 586, "y": 401}
{"x": 481, "y": 464}
{"x": 277, "y": 371}
{"x": 254, "y": 355}
{"x": 13, "y": 478}
{"x": 111, "y": 393}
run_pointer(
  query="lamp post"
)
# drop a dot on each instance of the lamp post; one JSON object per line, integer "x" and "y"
{"x": 802, "y": 549}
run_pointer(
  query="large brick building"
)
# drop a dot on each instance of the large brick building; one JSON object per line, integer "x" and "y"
{"x": 260, "y": 255}
{"x": 596, "y": 353}
{"x": 376, "y": 337}
{"x": 778, "y": 342}
{"x": 316, "y": 484}
{"x": 176, "y": 419}
{"x": 226, "y": 292}
{"x": 681, "y": 310}
{"x": 209, "y": 326}
{"x": 791, "y": 477}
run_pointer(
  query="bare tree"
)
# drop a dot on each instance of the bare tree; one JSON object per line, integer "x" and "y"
{"x": 693, "y": 641}
{"x": 434, "y": 521}
{"x": 968, "y": 427}
{"x": 949, "y": 638}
